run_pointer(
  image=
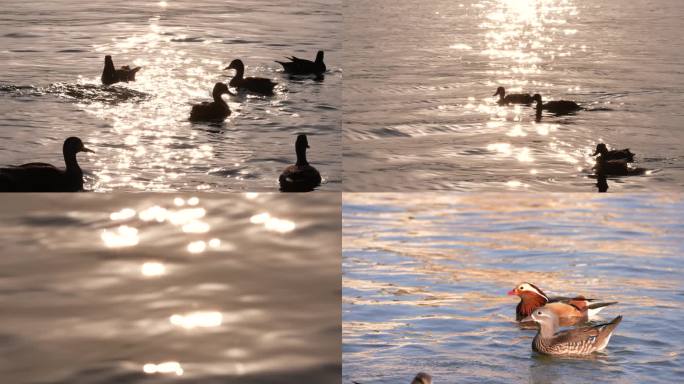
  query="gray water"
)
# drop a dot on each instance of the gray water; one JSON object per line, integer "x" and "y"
{"x": 425, "y": 278}
{"x": 52, "y": 56}
{"x": 167, "y": 288}
{"x": 419, "y": 112}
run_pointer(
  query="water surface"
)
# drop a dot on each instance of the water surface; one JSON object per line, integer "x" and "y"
{"x": 419, "y": 111}
{"x": 160, "y": 288}
{"x": 52, "y": 57}
{"x": 425, "y": 280}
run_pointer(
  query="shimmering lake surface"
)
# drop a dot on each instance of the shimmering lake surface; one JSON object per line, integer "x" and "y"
{"x": 425, "y": 278}
{"x": 419, "y": 112}
{"x": 52, "y": 56}
{"x": 170, "y": 288}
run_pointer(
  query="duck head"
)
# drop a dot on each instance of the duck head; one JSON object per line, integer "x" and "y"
{"x": 236, "y": 65}
{"x": 601, "y": 149}
{"x": 74, "y": 145}
{"x": 524, "y": 290}
{"x": 109, "y": 63}
{"x": 219, "y": 89}
{"x": 422, "y": 378}
{"x": 319, "y": 57}
{"x": 501, "y": 92}
{"x": 547, "y": 320}
{"x": 300, "y": 147}
{"x": 537, "y": 98}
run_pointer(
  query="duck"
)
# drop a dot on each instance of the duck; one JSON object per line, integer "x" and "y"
{"x": 42, "y": 177}
{"x": 558, "y": 107}
{"x": 580, "y": 341}
{"x": 216, "y": 110}
{"x": 615, "y": 167}
{"x": 570, "y": 310}
{"x": 251, "y": 84}
{"x": 514, "y": 98}
{"x": 614, "y": 154}
{"x": 111, "y": 75}
{"x": 422, "y": 378}
{"x": 300, "y": 177}
{"x": 297, "y": 66}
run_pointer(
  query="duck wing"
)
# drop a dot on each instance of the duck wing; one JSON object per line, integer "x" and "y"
{"x": 38, "y": 177}
{"x": 259, "y": 85}
{"x": 299, "y": 178}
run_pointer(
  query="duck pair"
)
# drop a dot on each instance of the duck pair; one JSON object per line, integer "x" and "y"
{"x": 550, "y": 313}
{"x": 263, "y": 86}
{"x": 558, "y": 107}
{"x": 614, "y": 162}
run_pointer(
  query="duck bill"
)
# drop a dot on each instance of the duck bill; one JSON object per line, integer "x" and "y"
{"x": 512, "y": 292}
{"x": 595, "y": 153}
{"x": 84, "y": 149}
{"x": 527, "y": 319}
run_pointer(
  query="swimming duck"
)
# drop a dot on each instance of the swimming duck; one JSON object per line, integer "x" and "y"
{"x": 422, "y": 378}
{"x": 575, "y": 342}
{"x": 298, "y": 66}
{"x": 111, "y": 75}
{"x": 514, "y": 98}
{"x": 252, "y": 84}
{"x": 570, "y": 310}
{"x": 617, "y": 167}
{"x": 216, "y": 110}
{"x": 300, "y": 177}
{"x": 558, "y": 107}
{"x": 42, "y": 177}
{"x": 615, "y": 154}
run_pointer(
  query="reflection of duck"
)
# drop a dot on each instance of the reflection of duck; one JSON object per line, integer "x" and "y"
{"x": 422, "y": 378}
{"x": 574, "y": 342}
{"x": 215, "y": 110}
{"x": 615, "y": 154}
{"x": 300, "y": 177}
{"x": 570, "y": 310}
{"x": 298, "y": 66}
{"x": 252, "y": 84}
{"x": 42, "y": 177}
{"x": 514, "y": 98}
{"x": 602, "y": 183}
{"x": 558, "y": 107}
{"x": 111, "y": 75}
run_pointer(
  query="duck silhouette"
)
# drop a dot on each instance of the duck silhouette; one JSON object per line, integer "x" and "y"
{"x": 258, "y": 85}
{"x": 300, "y": 177}
{"x": 615, "y": 163}
{"x": 557, "y": 107}
{"x": 111, "y": 75}
{"x": 42, "y": 177}
{"x": 614, "y": 154}
{"x": 216, "y": 110}
{"x": 297, "y": 66}
{"x": 514, "y": 98}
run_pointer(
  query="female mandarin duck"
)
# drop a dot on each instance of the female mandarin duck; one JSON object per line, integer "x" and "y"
{"x": 111, "y": 75}
{"x": 42, "y": 177}
{"x": 570, "y": 310}
{"x": 300, "y": 177}
{"x": 258, "y": 85}
{"x": 575, "y": 342}
{"x": 216, "y": 110}
{"x": 514, "y": 98}
{"x": 297, "y": 66}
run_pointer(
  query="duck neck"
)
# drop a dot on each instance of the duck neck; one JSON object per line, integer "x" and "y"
{"x": 218, "y": 99}
{"x": 301, "y": 156}
{"x": 109, "y": 72}
{"x": 239, "y": 73}
{"x": 548, "y": 328}
{"x": 530, "y": 302}
{"x": 72, "y": 167}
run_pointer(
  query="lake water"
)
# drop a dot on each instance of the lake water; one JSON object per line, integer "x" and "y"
{"x": 52, "y": 56}
{"x": 425, "y": 278}
{"x": 170, "y": 288}
{"x": 419, "y": 78}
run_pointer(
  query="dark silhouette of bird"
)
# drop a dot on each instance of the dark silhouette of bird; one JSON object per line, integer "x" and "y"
{"x": 216, "y": 110}
{"x": 297, "y": 66}
{"x": 111, "y": 75}
{"x": 300, "y": 177}
{"x": 258, "y": 85}
{"x": 514, "y": 98}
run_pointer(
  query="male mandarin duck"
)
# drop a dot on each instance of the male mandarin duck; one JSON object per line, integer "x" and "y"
{"x": 258, "y": 85}
{"x": 111, "y": 75}
{"x": 216, "y": 110}
{"x": 297, "y": 66}
{"x": 580, "y": 341}
{"x": 42, "y": 177}
{"x": 570, "y": 310}
{"x": 514, "y": 98}
{"x": 300, "y": 177}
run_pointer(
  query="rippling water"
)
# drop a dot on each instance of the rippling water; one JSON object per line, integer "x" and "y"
{"x": 170, "y": 288}
{"x": 417, "y": 94}
{"x": 425, "y": 280}
{"x": 52, "y": 57}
